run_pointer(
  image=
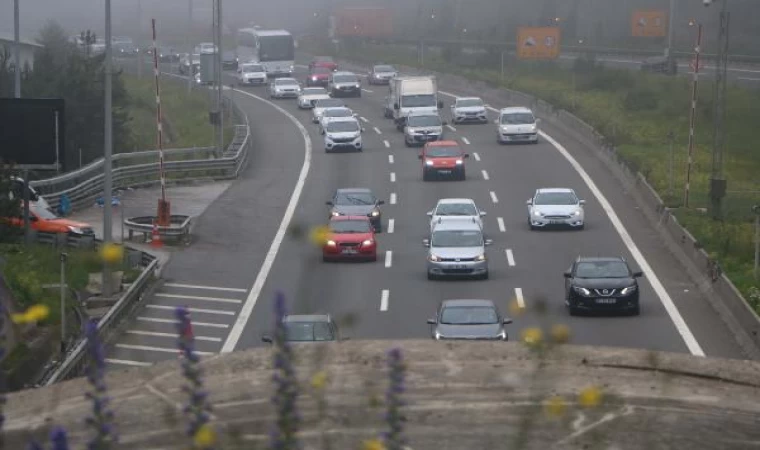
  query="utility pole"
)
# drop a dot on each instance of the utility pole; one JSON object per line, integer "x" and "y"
{"x": 189, "y": 44}
{"x": 756, "y": 271}
{"x": 671, "y": 21}
{"x": 693, "y": 117}
{"x": 219, "y": 83}
{"x": 107, "y": 163}
{"x": 717, "y": 179}
{"x": 17, "y": 45}
{"x": 671, "y": 163}
{"x": 139, "y": 32}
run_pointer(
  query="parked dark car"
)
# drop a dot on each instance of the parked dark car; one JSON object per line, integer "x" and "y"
{"x": 601, "y": 284}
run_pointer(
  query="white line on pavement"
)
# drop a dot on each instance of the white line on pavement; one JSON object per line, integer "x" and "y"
{"x": 390, "y": 158}
{"x": 363, "y": 119}
{"x": 394, "y": 198}
{"x": 391, "y": 225}
{"x": 519, "y": 298}
{"x": 387, "y": 144}
{"x": 502, "y": 228}
{"x": 485, "y": 175}
{"x": 493, "y": 197}
{"x": 194, "y": 310}
{"x": 388, "y": 258}
{"x": 171, "y": 335}
{"x": 173, "y": 321}
{"x": 207, "y": 299}
{"x": 245, "y": 313}
{"x": 367, "y": 91}
{"x": 748, "y": 78}
{"x": 466, "y": 141}
{"x": 393, "y": 177}
{"x": 384, "y": 299}
{"x": 510, "y": 257}
{"x": 377, "y": 130}
{"x": 158, "y": 349}
{"x": 451, "y": 128}
{"x": 211, "y": 288}
{"x": 126, "y": 362}
{"x": 476, "y": 156}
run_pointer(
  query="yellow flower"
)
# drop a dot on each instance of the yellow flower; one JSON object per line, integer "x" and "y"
{"x": 532, "y": 336}
{"x": 34, "y": 314}
{"x": 320, "y": 235}
{"x": 515, "y": 309}
{"x": 319, "y": 380}
{"x": 555, "y": 407}
{"x": 112, "y": 253}
{"x": 205, "y": 437}
{"x": 373, "y": 444}
{"x": 590, "y": 397}
{"x": 560, "y": 333}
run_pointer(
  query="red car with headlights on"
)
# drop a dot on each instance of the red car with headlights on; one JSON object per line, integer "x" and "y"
{"x": 323, "y": 61}
{"x": 351, "y": 238}
{"x": 318, "y": 76}
{"x": 443, "y": 158}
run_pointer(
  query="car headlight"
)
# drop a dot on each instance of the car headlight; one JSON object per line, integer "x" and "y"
{"x": 577, "y": 212}
{"x": 481, "y": 257}
{"x": 459, "y": 162}
{"x": 375, "y": 213}
{"x": 582, "y": 291}
{"x": 429, "y": 162}
{"x": 434, "y": 258}
{"x": 504, "y": 129}
{"x": 292, "y": 67}
{"x": 628, "y": 290}
{"x": 438, "y": 336}
{"x": 368, "y": 242}
{"x": 502, "y": 335}
{"x": 537, "y": 213}
{"x": 335, "y": 213}
{"x": 75, "y": 230}
{"x": 331, "y": 243}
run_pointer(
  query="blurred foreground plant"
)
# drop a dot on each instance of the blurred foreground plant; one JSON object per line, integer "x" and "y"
{"x": 58, "y": 441}
{"x": 33, "y": 314}
{"x": 102, "y": 417}
{"x": 394, "y": 438}
{"x": 284, "y": 435}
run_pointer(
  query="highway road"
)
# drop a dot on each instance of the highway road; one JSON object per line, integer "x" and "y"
{"x": 246, "y": 251}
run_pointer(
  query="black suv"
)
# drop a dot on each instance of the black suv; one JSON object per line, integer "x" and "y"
{"x": 601, "y": 284}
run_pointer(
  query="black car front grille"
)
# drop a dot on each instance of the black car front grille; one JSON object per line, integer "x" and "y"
{"x": 342, "y": 140}
{"x": 349, "y": 244}
{"x": 556, "y": 217}
{"x": 456, "y": 271}
{"x": 605, "y": 292}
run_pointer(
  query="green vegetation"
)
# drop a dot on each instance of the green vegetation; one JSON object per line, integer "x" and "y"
{"x": 635, "y": 112}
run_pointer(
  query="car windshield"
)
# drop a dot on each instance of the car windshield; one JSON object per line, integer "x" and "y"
{"x": 423, "y": 121}
{"x": 251, "y": 68}
{"x": 469, "y": 102}
{"x": 457, "y": 238}
{"x": 602, "y": 269}
{"x": 342, "y": 126}
{"x": 323, "y": 59}
{"x": 329, "y": 103}
{"x": 321, "y": 70}
{"x": 308, "y": 332}
{"x": 286, "y": 82}
{"x": 338, "y": 112}
{"x": 416, "y": 101}
{"x": 456, "y": 209}
{"x": 443, "y": 152}
{"x": 354, "y": 198}
{"x": 517, "y": 119}
{"x": 42, "y": 213}
{"x": 350, "y": 226}
{"x": 469, "y": 315}
{"x": 555, "y": 198}
{"x": 314, "y": 91}
{"x": 384, "y": 69}
{"x": 345, "y": 79}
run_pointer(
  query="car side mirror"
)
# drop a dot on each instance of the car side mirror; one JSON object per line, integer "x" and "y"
{"x": 431, "y": 321}
{"x": 395, "y": 106}
{"x": 266, "y": 338}
{"x": 362, "y": 130}
{"x": 483, "y": 213}
{"x": 419, "y": 156}
{"x": 322, "y": 132}
{"x": 506, "y": 321}
{"x": 567, "y": 274}
{"x": 381, "y": 202}
{"x": 638, "y": 274}
{"x": 488, "y": 242}
{"x": 466, "y": 155}
{"x": 582, "y": 202}
{"x": 529, "y": 202}
{"x": 426, "y": 242}
{"x": 440, "y": 104}
{"x": 444, "y": 123}
{"x": 430, "y": 213}
{"x": 329, "y": 203}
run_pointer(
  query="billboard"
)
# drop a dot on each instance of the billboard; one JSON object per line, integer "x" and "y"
{"x": 652, "y": 23}
{"x": 32, "y": 132}
{"x": 538, "y": 42}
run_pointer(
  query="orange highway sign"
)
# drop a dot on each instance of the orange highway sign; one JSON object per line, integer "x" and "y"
{"x": 538, "y": 42}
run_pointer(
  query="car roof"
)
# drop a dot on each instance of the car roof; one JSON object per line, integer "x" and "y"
{"x": 354, "y": 190}
{"x": 444, "y": 201}
{"x": 329, "y": 119}
{"x": 548, "y": 190}
{"x": 423, "y": 113}
{"x": 468, "y": 302}
{"x": 463, "y": 224}
{"x": 601, "y": 259}
{"x": 469, "y": 98}
{"x": 515, "y": 109}
{"x": 343, "y": 72}
{"x": 286, "y": 79}
{"x": 344, "y": 218}
{"x": 307, "y": 318}
{"x": 444, "y": 143}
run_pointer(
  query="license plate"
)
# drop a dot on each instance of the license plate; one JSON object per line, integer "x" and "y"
{"x": 556, "y": 222}
{"x": 606, "y": 300}
{"x": 349, "y": 251}
{"x": 444, "y": 171}
{"x": 458, "y": 267}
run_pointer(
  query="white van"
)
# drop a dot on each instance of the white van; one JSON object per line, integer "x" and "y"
{"x": 517, "y": 124}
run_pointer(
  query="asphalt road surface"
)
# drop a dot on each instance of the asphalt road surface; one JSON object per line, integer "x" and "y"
{"x": 246, "y": 251}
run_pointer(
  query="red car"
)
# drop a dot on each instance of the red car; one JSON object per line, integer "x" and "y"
{"x": 443, "y": 158}
{"x": 323, "y": 61}
{"x": 351, "y": 238}
{"x": 318, "y": 76}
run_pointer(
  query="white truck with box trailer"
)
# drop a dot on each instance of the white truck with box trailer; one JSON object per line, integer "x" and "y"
{"x": 414, "y": 94}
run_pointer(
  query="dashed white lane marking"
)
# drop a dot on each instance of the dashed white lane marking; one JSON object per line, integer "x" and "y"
{"x": 451, "y": 128}
{"x": 390, "y": 158}
{"x": 394, "y": 198}
{"x": 363, "y": 119}
{"x": 391, "y": 225}
{"x": 393, "y": 177}
{"x": 377, "y": 130}
{"x": 384, "y": 299}
{"x": 493, "y": 197}
{"x": 173, "y": 321}
{"x": 126, "y": 362}
{"x": 148, "y": 348}
{"x": 207, "y": 299}
{"x": 510, "y": 257}
{"x": 500, "y": 221}
{"x": 476, "y": 156}
{"x": 466, "y": 141}
{"x": 210, "y": 288}
{"x": 388, "y": 258}
{"x": 194, "y": 310}
{"x": 485, "y": 175}
{"x": 387, "y": 144}
{"x": 172, "y": 335}
{"x": 367, "y": 91}
{"x": 519, "y": 298}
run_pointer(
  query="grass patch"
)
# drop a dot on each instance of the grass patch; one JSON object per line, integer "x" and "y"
{"x": 186, "y": 120}
{"x": 636, "y": 111}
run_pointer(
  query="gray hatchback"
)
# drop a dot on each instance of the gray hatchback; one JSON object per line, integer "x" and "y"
{"x": 457, "y": 249}
{"x": 469, "y": 319}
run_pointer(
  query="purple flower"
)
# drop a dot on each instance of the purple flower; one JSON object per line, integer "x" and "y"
{"x": 283, "y": 436}
{"x": 58, "y": 439}
{"x": 394, "y": 417}
{"x": 102, "y": 416}
{"x": 2, "y": 373}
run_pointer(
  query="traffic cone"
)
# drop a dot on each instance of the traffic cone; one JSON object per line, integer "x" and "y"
{"x": 155, "y": 238}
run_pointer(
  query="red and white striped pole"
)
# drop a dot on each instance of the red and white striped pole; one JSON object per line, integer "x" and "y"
{"x": 163, "y": 205}
{"x": 692, "y": 119}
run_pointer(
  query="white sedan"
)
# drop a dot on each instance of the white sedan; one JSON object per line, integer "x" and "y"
{"x": 310, "y": 95}
{"x": 456, "y": 209}
{"x": 556, "y": 206}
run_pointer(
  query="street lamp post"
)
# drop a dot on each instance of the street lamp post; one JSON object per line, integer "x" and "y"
{"x": 671, "y": 21}
{"x": 107, "y": 163}
{"x": 756, "y": 271}
{"x": 17, "y": 54}
{"x": 717, "y": 179}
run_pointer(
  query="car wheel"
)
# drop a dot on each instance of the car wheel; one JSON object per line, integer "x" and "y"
{"x": 430, "y": 276}
{"x": 325, "y": 259}
{"x": 636, "y": 310}
{"x": 425, "y": 176}
{"x": 360, "y": 149}
{"x": 573, "y": 311}
{"x": 582, "y": 227}
{"x": 327, "y": 150}
{"x": 379, "y": 228}
{"x": 462, "y": 176}
{"x": 406, "y": 143}
{"x": 484, "y": 276}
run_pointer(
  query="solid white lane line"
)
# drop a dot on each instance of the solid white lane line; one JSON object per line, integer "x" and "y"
{"x": 451, "y": 128}
{"x": 493, "y": 197}
{"x": 502, "y": 228}
{"x": 670, "y": 307}
{"x": 510, "y": 257}
{"x": 148, "y": 348}
{"x": 388, "y": 258}
{"x": 174, "y": 321}
{"x": 748, "y": 78}
{"x": 393, "y": 177}
{"x": 485, "y": 175}
{"x": 367, "y": 91}
{"x": 476, "y": 156}
{"x": 390, "y": 158}
{"x": 387, "y": 144}
{"x": 171, "y": 335}
{"x": 391, "y": 225}
{"x": 194, "y": 310}
{"x": 126, "y": 362}
{"x": 211, "y": 288}
{"x": 393, "y": 198}
{"x": 384, "y": 300}
{"x": 377, "y": 130}
{"x": 465, "y": 140}
{"x": 363, "y": 119}
{"x": 519, "y": 298}
{"x": 245, "y": 312}
{"x": 207, "y": 299}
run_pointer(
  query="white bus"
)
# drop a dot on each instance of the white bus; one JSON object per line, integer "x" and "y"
{"x": 273, "y": 49}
